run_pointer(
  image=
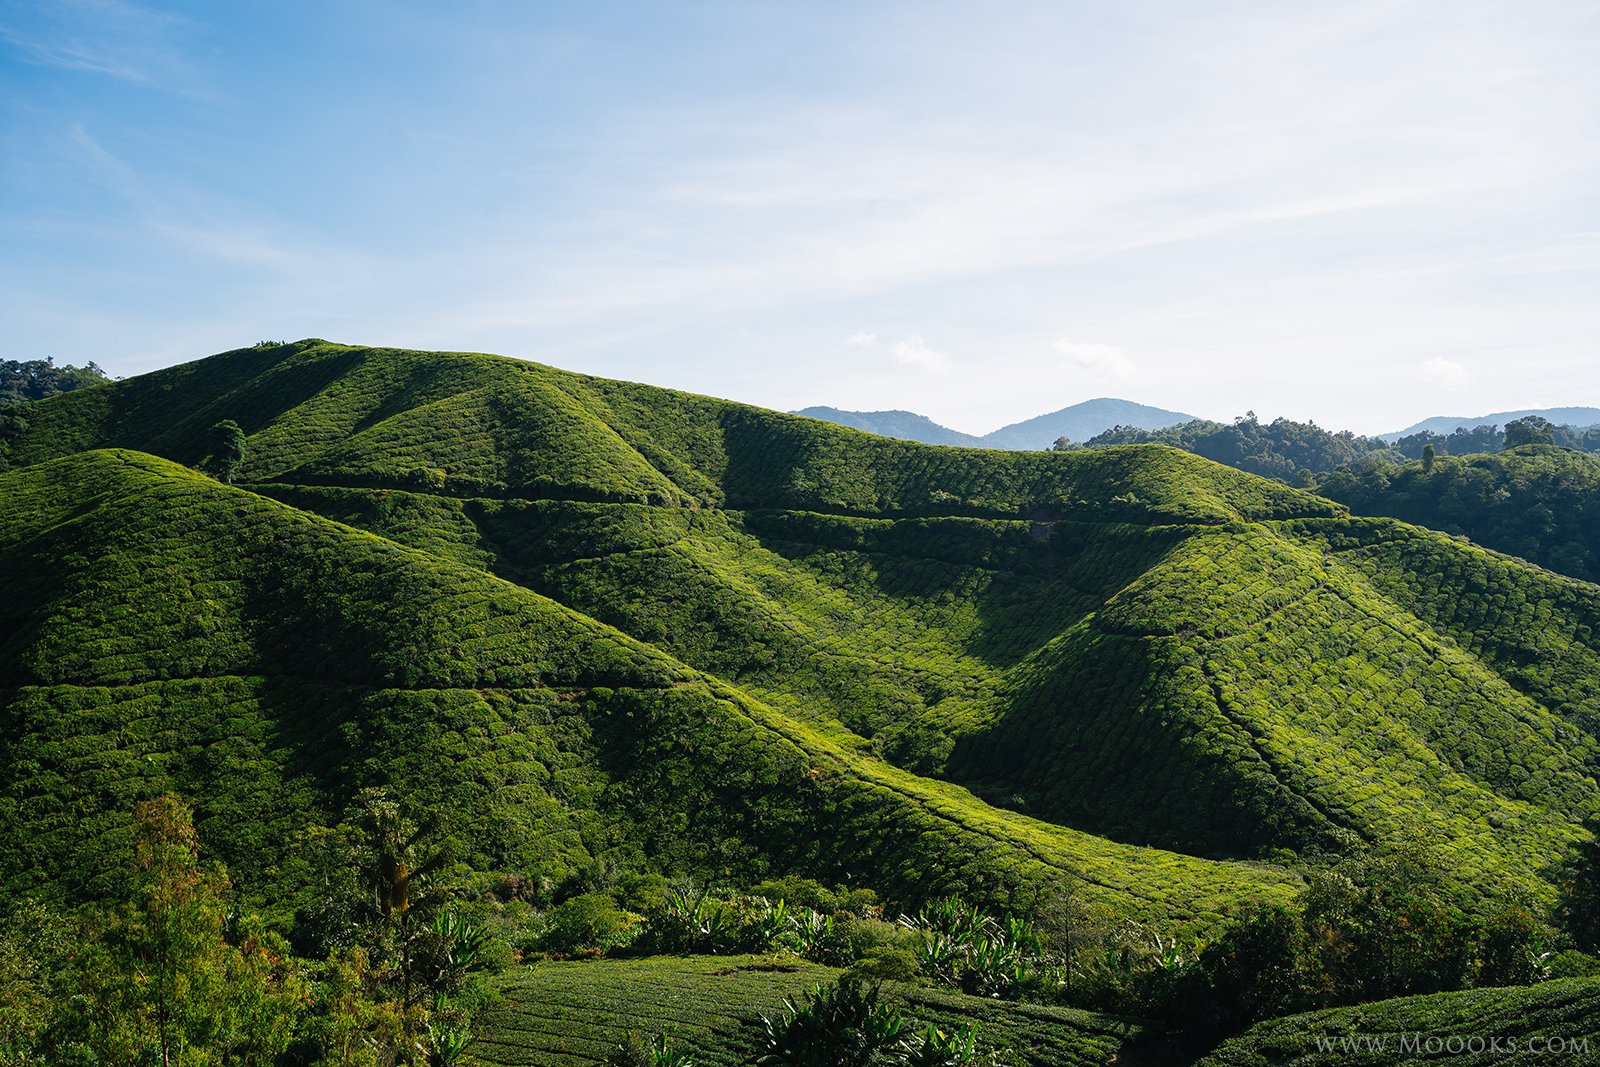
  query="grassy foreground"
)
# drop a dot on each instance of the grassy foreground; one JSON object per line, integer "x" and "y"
{"x": 573, "y": 1013}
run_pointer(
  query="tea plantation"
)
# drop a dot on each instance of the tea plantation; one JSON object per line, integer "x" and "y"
{"x": 593, "y": 633}
{"x": 1556, "y": 1022}
{"x": 561, "y": 1014}
{"x": 1034, "y": 660}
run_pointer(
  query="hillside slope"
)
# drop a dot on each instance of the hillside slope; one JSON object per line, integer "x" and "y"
{"x": 928, "y": 666}
{"x": 270, "y": 663}
{"x": 1556, "y": 1022}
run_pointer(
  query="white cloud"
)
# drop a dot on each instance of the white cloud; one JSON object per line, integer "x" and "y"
{"x": 1446, "y": 372}
{"x": 1103, "y": 362}
{"x": 911, "y": 351}
{"x": 862, "y": 339}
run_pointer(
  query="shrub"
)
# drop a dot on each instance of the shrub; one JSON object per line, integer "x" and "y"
{"x": 590, "y": 921}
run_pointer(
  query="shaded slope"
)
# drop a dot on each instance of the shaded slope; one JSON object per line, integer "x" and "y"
{"x": 270, "y": 662}
{"x": 1211, "y": 690}
{"x": 1286, "y": 701}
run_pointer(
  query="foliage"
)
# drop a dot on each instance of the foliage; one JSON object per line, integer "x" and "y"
{"x": 846, "y": 1024}
{"x": 1534, "y": 501}
{"x": 34, "y": 941}
{"x": 1281, "y": 449}
{"x": 657, "y": 1051}
{"x": 172, "y": 975}
{"x": 590, "y": 921}
{"x": 1530, "y": 430}
{"x": 963, "y": 946}
{"x": 934, "y": 1047}
{"x": 1578, "y": 908}
{"x": 35, "y": 379}
{"x": 227, "y": 450}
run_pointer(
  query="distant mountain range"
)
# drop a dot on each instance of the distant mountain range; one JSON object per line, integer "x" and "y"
{"x": 906, "y": 425}
{"x": 1445, "y": 424}
{"x": 1079, "y": 422}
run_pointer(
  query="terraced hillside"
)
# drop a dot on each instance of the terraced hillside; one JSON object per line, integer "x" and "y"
{"x": 1556, "y": 1022}
{"x": 272, "y": 662}
{"x": 569, "y": 1014}
{"x": 593, "y": 616}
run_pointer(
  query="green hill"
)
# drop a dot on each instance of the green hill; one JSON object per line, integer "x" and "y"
{"x": 594, "y": 618}
{"x": 271, "y": 663}
{"x": 1556, "y": 1022}
{"x": 568, "y": 1014}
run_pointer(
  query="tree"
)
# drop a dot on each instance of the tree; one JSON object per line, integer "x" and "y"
{"x": 1578, "y": 908}
{"x": 33, "y": 949}
{"x": 36, "y": 379}
{"x": 169, "y": 987}
{"x": 1427, "y": 458}
{"x": 1530, "y": 430}
{"x": 227, "y": 449}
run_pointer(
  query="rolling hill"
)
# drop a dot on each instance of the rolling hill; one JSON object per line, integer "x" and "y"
{"x": 592, "y": 618}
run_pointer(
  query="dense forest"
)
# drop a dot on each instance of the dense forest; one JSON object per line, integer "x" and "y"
{"x": 1295, "y": 452}
{"x": 1527, "y": 490}
{"x": 35, "y": 379}
{"x": 1536, "y": 501}
{"x": 363, "y": 706}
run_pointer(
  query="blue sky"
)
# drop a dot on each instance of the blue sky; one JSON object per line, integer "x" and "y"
{"x": 1361, "y": 212}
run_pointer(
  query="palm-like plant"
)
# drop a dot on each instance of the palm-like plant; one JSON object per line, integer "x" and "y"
{"x": 843, "y": 1025}
{"x": 941, "y": 1048}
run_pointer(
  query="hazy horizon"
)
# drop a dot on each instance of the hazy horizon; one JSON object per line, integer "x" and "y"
{"x": 1363, "y": 215}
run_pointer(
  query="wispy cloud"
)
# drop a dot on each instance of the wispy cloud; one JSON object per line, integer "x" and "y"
{"x": 115, "y": 38}
{"x": 1283, "y": 209}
